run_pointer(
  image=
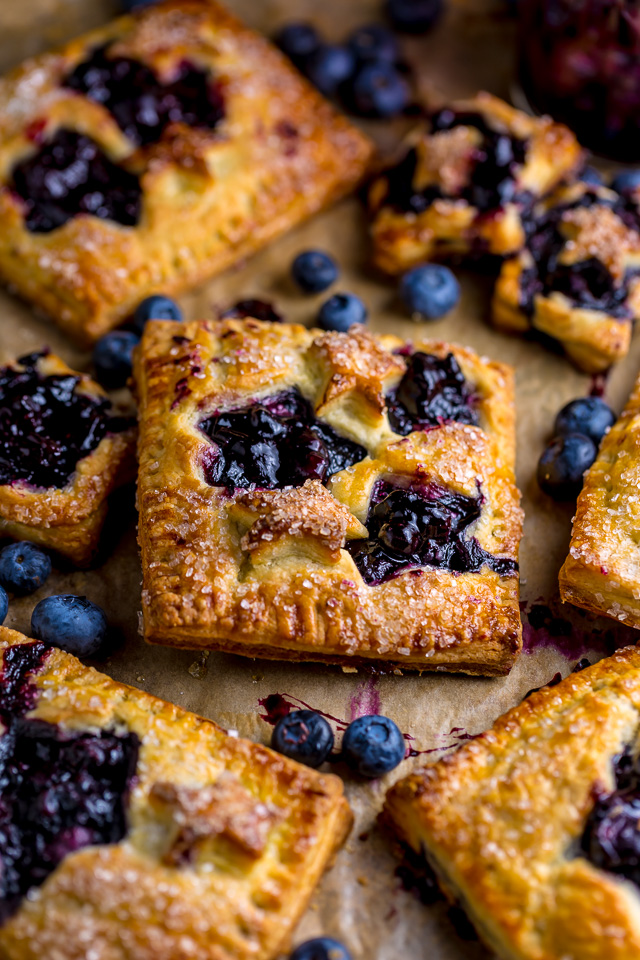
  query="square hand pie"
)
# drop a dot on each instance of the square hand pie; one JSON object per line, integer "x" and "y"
{"x": 578, "y": 278}
{"x": 62, "y": 452}
{"x": 465, "y": 182}
{"x": 154, "y": 152}
{"x": 534, "y": 825}
{"x": 602, "y": 571}
{"x": 133, "y": 829}
{"x": 327, "y": 496}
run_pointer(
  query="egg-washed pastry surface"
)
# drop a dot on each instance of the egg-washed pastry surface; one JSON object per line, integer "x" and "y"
{"x": 467, "y": 180}
{"x": 533, "y": 826}
{"x": 63, "y": 450}
{"x": 157, "y": 834}
{"x": 154, "y": 152}
{"x": 325, "y": 496}
{"x": 578, "y": 278}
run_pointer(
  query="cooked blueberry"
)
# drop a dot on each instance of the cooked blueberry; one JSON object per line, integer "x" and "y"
{"x": 72, "y": 623}
{"x": 340, "y": 311}
{"x": 113, "y": 358}
{"x": 304, "y": 736}
{"x": 429, "y": 291}
{"x": 314, "y": 271}
{"x": 23, "y": 567}
{"x": 374, "y": 42}
{"x": 414, "y": 16}
{"x": 626, "y": 182}
{"x": 591, "y": 175}
{"x": 378, "y": 91}
{"x": 590, "y": 416}
{"x": 4, "y": 605}
{"x": 563, "y": 463}
{"x": 329, "y": 67}
{"x": 155, "y": 308}
{"x": 298, "y": 41}
{"x": 257, "y": 309}
{"x": 432, "y": 391}
{"x": 373, "y": 745}
{"x": 321, "y": 948}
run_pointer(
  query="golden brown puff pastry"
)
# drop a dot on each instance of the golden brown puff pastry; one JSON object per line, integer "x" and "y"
{"x": 466, "y": 180}
{"x": 578, "y": 278}
{"x": 159, "y": 836}
{"x": 533, "y": 826}
{"x": 154, "y": 152}
{"x": 602, "y": 571}
{"x": 63, "y": 450}
{"x": 326, "y": 496}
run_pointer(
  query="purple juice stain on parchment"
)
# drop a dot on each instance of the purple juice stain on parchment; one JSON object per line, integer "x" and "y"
{"x": 541, "y": 627}
{"x": 276, "y": 706}
{"x": 366, "y": 700}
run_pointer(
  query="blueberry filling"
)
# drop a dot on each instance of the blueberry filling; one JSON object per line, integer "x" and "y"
{"x": 141, "y": 104}
{"x": 46, "y": 426}
{"x": 497, "y": 161}
{"x": 70, "y": 175}
{"x": 59, "y": 791}
{"x": 275, "y": 442}
{"x": 432, "y": 391}
{"x": 611, "y": 839}
{"x": 421, "y": 527}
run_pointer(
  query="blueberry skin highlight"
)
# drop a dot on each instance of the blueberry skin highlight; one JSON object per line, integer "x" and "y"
{"x": 591, "y": 175}
{"x": 321, "y": 948}
{"x": 590, "y": 416}
{"x": 298, "y": 41}
{"x": 341, "y": 311}
{"x": 4, "y": 605}
{"x": 314, "y": 271}
{"x": 329, "y": 67}
{"x": 563, "y": 463}
{"x": 305, "y": 736}
{"x": 157, "y": 307}
{"x": 113, "y": 358}
{"x": 373, "y": 745}
{"x": 378, "y": 91}
{"x": 374, "y": 43}
{"x": 72, "y": 623}
{"x": 626, "y": 182}
{"x": 23, "y": 568}
{"x": 429, "y": 291}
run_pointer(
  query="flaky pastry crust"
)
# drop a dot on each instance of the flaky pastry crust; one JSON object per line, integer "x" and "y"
{"x": 265, "y": 573}
{"x": 259, "y": 829}
{"x": 70, "y": 519}
{"x": 209, "y": 197}
{"x": 501, "y": 820}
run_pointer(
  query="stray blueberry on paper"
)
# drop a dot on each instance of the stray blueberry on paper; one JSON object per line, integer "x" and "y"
{"x": 341, "y": 311}
{"x": 314, "y": 271}
{"x": 562, "y": 465}
{"x": 157, "y": 307}
{"x": 72, "y": 623}
{"x": 373, "y": 745}
{"x": 305, "y": 736}
{"x": 429, "y": 291}
{"x": 321, "y": 948}
{"x": 113, "y": 358}
{"x": 590, "y": 416}
{"x": 24, "y": 568}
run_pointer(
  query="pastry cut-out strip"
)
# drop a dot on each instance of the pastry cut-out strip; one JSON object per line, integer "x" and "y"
{"x": 154, "y": 152}
{"x": 533, "y": 826}
{"x": 323, "y": 496}
{"x": 63, "y": 450}
{"x": 169, "y": 837}
{"x": 602, "y": 571}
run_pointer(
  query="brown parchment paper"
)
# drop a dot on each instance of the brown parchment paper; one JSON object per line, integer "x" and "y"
{"x": 360, "y": 901}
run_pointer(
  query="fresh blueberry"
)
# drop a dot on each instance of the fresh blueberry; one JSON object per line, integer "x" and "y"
{"x": 113, "y": 358}
{"x": 429, "y": 291}
{"x": 321, "y": 948}
{"x": 374, "y": 42}
{"x": 4, "y": 604}
{"x": 74, "y": 624}
{"x": 563, "y": 463}
{"x": 591, "y": 175}
{"x": 340, "y": 311}
{"x": 23, "y": 567}
{"x": 626, "y": 182}
{"x": 590, "y": 416}
{"x": 298, "y": 41}
{"x": 378, "y": 91}
{"x": 414, "y": 16}
{"x": 329, "y": 66}
{"x": 373, "y": 745}
{"x": 155, "y": 308}
{"x": 314, "y": 271}
{"x": 304, "y": 736}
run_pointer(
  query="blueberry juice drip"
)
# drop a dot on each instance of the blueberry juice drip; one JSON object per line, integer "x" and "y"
{"x": 275, "y": 442}
{"x": 70, "y": 175}
{"x": 46, "y": 426}
{"x": 141, "y": 104}
{"x": 421, "y": 526}
{"x": 59, "y": 791}
{"x": 432, "y": 391}
{"x": 611, "y": 840}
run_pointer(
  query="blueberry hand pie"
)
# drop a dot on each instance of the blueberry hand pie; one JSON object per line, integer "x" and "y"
{"x": 578, "y": 278}
{"x": 466, "y": 181}
{"x": 602, "y": 571}
{"x": 534, "y": 825}
{"x": 63, "y": 450}
{"x": 154, "y": 152}
{"x": 327, "y": 496}
{"x": 130, "y": 828}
